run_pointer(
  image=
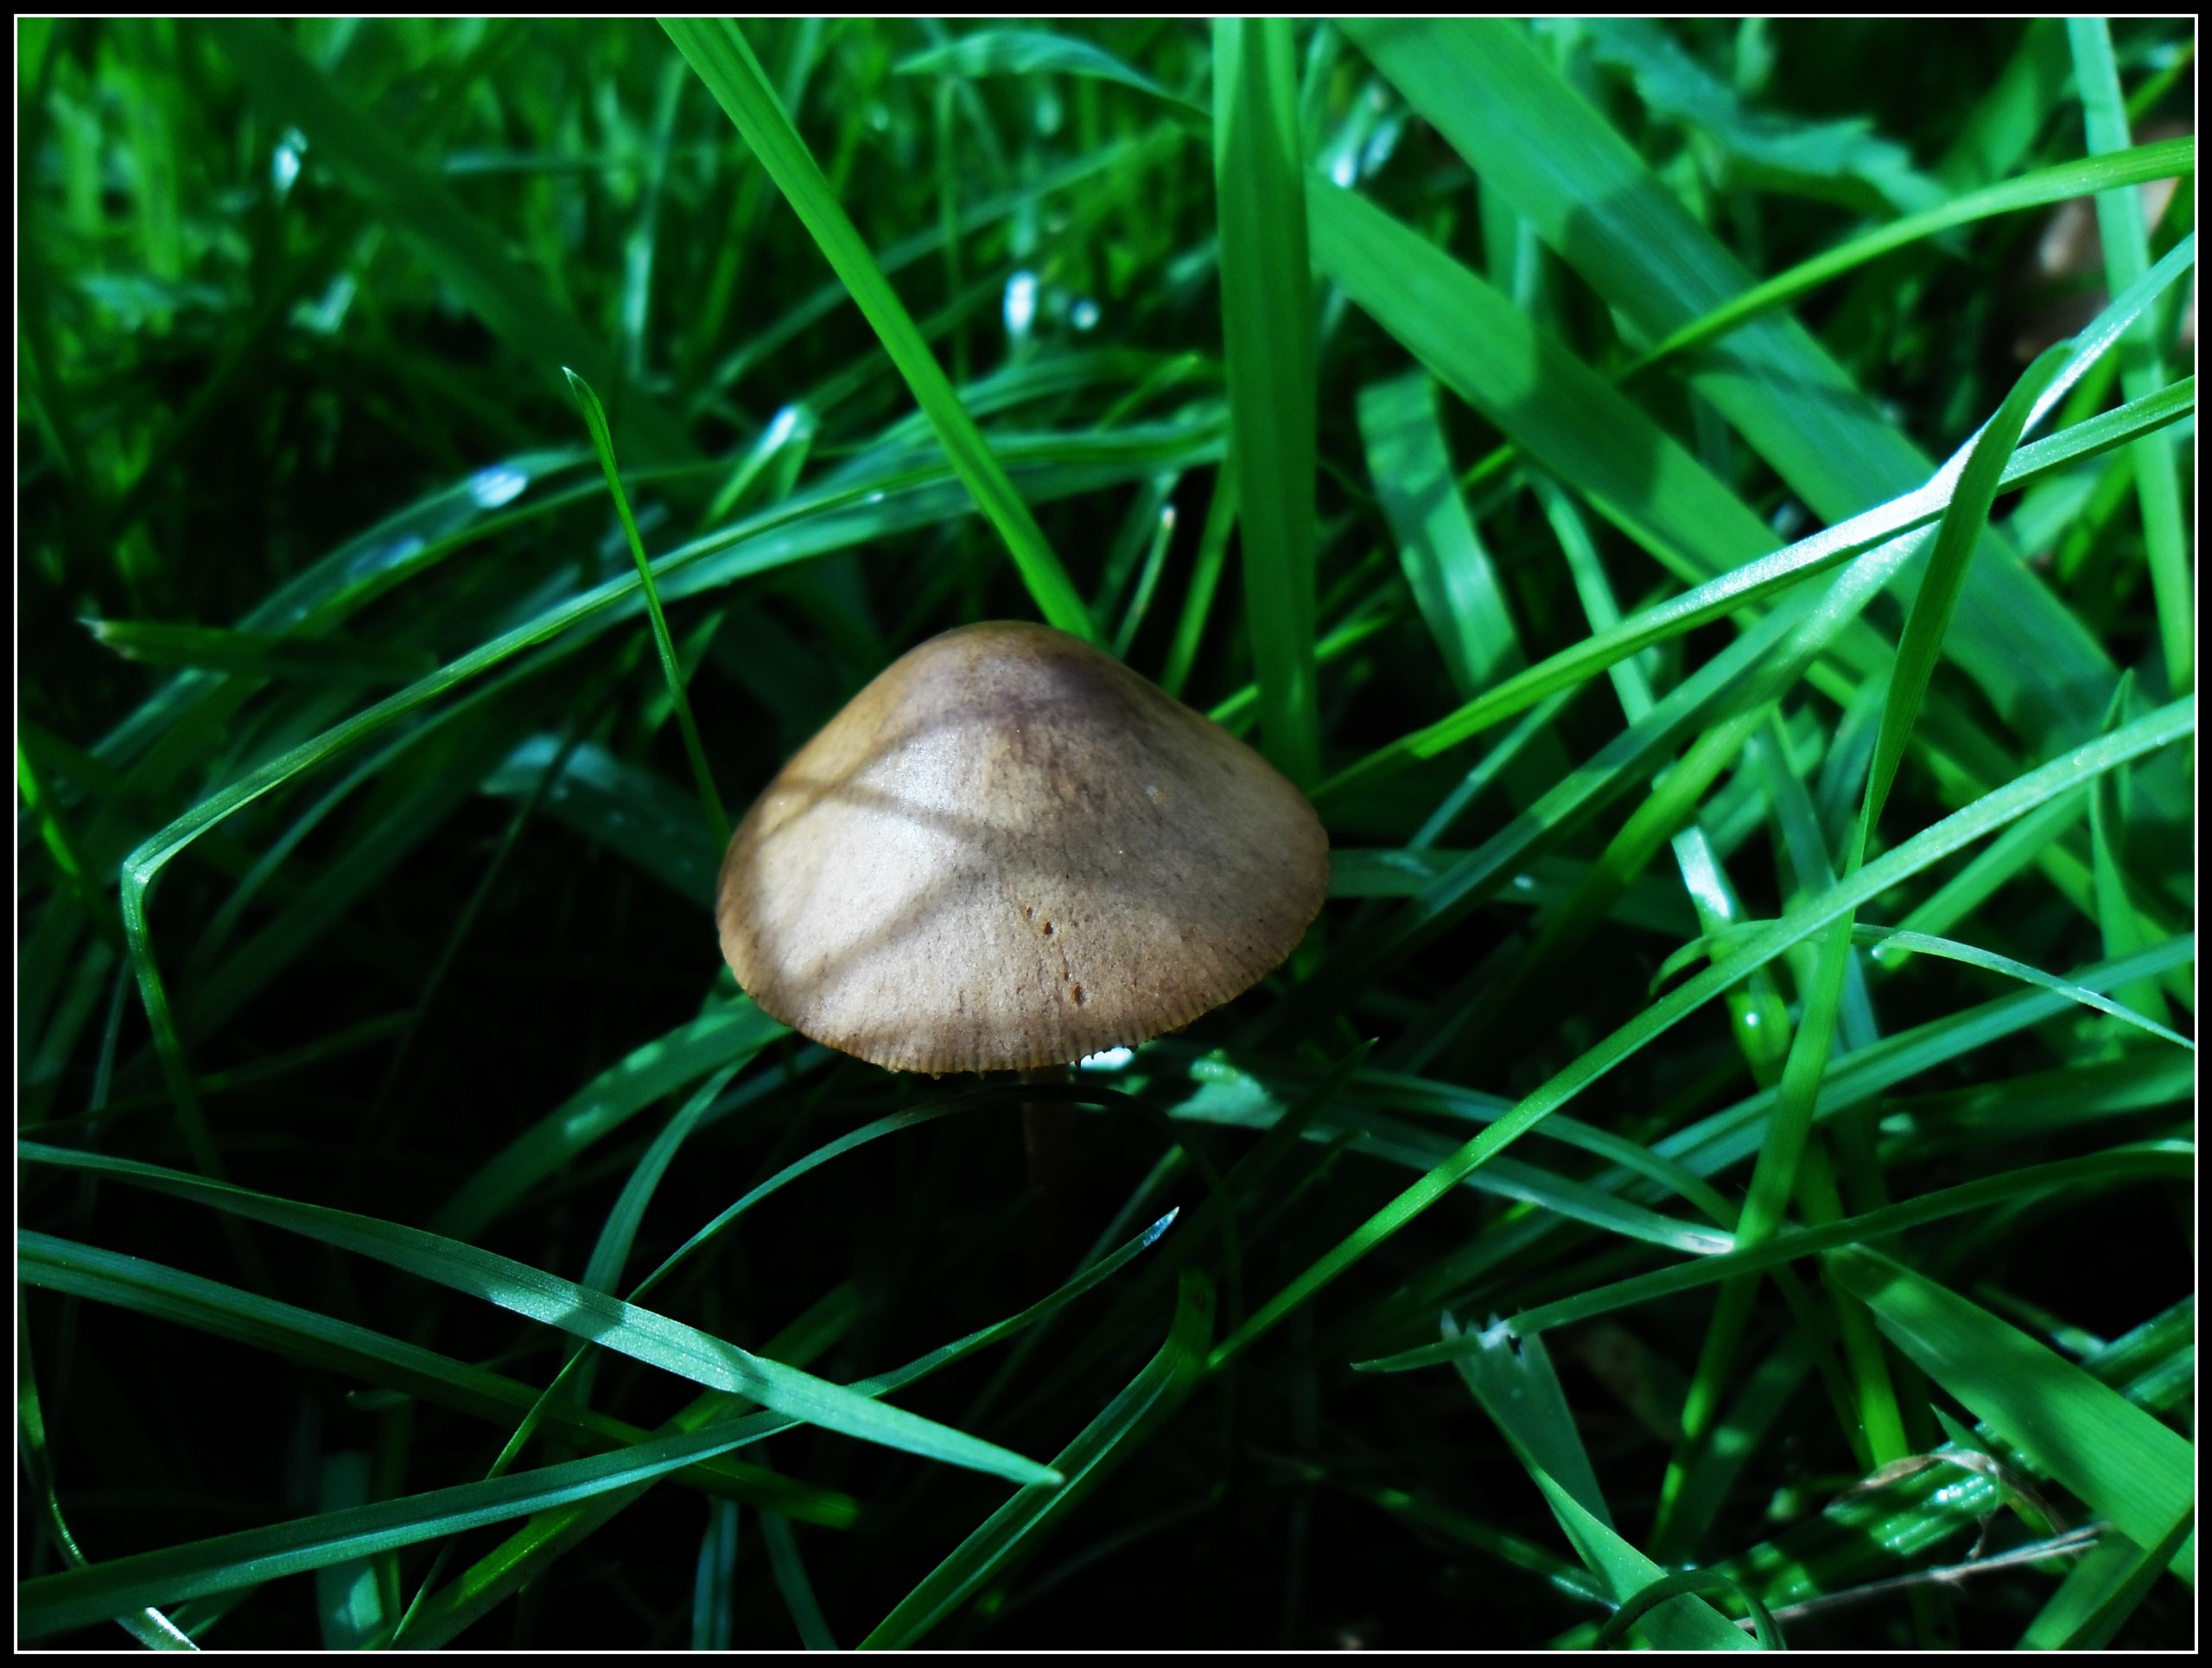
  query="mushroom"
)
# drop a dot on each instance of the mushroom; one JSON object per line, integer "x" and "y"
{"x": 1009, "y": 852}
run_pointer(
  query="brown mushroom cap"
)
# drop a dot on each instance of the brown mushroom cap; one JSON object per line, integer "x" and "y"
{"x": 1008, "y": 852}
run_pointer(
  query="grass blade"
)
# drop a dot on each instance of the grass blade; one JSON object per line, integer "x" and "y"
{"x": 608, "y": 1322}
{"x": 260, "y": 654}
{"x": 1266, "y": 311}
{"x": 1454, "y": 582}
{"x": 50, "y": 1604}
{"x": 1016, "y": 1529}
{"x": 2163, "y": 160}
{"x": 728, "y": 1035}
{"x": 2127, "y": 256}
{"x": 602, "y": 439}
{"x": 1941, "y": 586}
{"x": 718, "y": 53}
{"x": 2164, "y": 1162}
{"x": 1030, "y": 51}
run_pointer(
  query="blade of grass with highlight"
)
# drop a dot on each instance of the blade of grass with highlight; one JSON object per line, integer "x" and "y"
{"x": 2104, "y": 1588}
{"x": 1029, "y": 52}
{"x": 1949, "y": 567}
{"x": 530, "y": 1550}
{"x": 1518, "y": 1388}
{"x": 189, "y": 1300}
{"x": 2117, "y": 919}
{"x": 1892, "y": 944}
{"x": 1205, "y": 576}
{"x": 718, "y": 53}
{"x": 1266, "y": 312}
{"x": 259, "y": 654}
{"x": 1680, "y": 1621}
{"x": 685, "y": 1351}
{"x": 2127, "y": 256}
{"x": 602, "y": 439}
{"x": 2164, "y": 160}
{"x": 1454, "y": 582}
{"x": 792, "y": 1583}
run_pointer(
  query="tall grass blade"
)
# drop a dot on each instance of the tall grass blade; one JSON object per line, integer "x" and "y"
{"x": 1266, "y": 311}
{"x": 718, "y": 53}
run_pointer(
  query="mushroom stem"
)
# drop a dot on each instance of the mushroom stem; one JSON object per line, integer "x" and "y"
{"x": 1048, "y": 1140}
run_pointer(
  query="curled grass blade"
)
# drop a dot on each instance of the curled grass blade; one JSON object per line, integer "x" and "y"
{"x": 1668, "y": 1588}
{"x": 149, "y": 1626}
{"x": 1675, "y": 1620}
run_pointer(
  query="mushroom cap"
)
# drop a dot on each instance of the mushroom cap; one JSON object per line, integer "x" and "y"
{"x": 1008, "y": 852}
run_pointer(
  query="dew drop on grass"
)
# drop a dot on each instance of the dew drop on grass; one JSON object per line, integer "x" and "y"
{"x": 500, "y": 484}
{"x": 1020, "y": 305}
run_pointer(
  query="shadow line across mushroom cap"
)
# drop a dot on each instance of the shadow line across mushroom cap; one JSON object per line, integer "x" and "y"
{"x": 1009, "y": 852}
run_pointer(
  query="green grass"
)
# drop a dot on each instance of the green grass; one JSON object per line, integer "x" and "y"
{"x": 1751, "y": 1041}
